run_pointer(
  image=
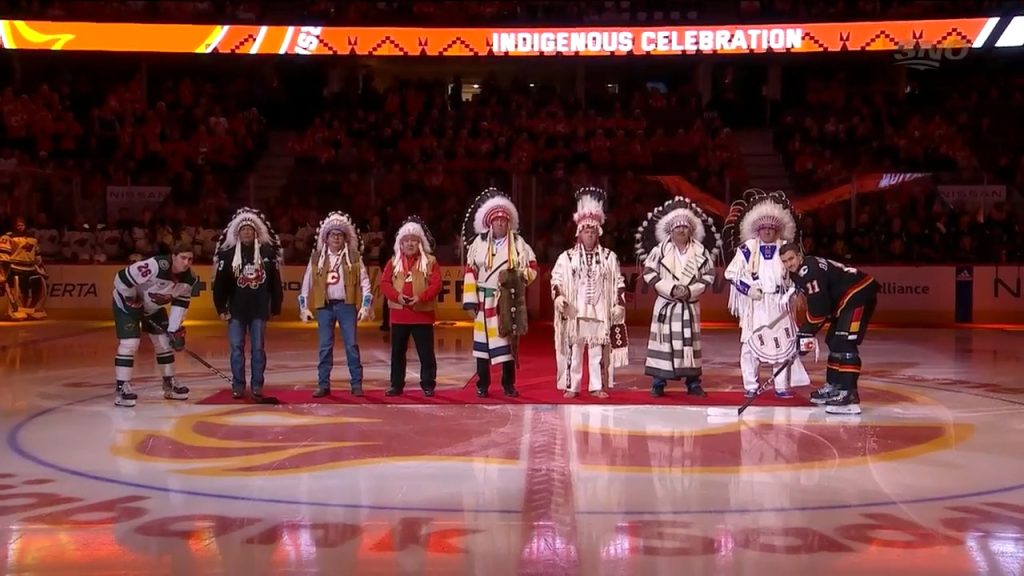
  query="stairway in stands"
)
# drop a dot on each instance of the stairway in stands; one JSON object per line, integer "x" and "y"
{"x": 764, "y": 165}
{"x": 271, "y": 172}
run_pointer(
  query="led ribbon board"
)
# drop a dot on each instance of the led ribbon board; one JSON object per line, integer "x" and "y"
{"x": 590, "y": 41}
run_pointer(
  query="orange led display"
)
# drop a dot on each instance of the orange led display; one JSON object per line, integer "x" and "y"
{"x": 468, "y": 42}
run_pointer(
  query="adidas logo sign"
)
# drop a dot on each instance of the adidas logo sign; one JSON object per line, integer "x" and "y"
{"x": 964, "y": 276}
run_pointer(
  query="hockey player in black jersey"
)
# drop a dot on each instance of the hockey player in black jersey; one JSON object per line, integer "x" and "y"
{"x": 846, "y": 298}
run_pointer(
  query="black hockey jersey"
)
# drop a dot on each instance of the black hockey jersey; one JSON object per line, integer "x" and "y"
{"x": 829, "y": 287}
{"x": 254, "y": 291}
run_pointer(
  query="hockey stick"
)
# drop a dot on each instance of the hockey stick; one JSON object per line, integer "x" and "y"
{"x": 211, "y": 367}
{"x": 767, "y": 382}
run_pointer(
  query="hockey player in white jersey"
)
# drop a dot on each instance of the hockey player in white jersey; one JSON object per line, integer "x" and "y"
{"x": 141, "y": 292}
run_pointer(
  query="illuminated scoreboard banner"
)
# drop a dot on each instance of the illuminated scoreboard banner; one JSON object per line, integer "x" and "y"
{"x": 317, "y": 40}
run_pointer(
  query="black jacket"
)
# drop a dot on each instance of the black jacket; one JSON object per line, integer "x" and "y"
{"x": 830, "y": 287}
{"x": 248, "y": 296}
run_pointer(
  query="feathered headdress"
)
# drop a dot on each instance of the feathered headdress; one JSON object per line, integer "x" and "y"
{"x": 757, "y": 210}
{"x": 590, "y": 209}
{"x": 340, "y": 222}
{"x": 679, "y": 211}
{"x": 265, "y": 236}
{"x": 490, "y": 204}
{"x": 414, "y": 226}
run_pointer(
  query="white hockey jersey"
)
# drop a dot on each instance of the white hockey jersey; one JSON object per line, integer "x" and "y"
{"x": 153, "y": 282}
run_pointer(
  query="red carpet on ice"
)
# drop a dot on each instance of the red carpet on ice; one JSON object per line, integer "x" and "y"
{"x": 535, "y": 382}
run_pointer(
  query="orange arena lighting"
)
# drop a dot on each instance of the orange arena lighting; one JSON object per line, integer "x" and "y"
{"x": 589, "y": 41}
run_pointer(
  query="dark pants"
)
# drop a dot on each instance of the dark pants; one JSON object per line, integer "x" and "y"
{"x": 691, "y": 381}
{"x": 483, "y": 373}
{"x": 256, "y": 329}
{"x": 844, "y": 337}
{"x": 423, "y": 337}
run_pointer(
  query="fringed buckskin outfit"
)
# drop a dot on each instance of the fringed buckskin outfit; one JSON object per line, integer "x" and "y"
{"x": 589, "y": 292}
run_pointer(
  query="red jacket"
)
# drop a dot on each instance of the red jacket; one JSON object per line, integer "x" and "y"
{"x": 406, "y": 314}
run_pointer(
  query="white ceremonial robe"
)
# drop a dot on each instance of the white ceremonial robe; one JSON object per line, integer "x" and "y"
{"x": 758, "y": 264}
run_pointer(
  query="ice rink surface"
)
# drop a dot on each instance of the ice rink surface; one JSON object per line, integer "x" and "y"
{"x": 929, "y": 480}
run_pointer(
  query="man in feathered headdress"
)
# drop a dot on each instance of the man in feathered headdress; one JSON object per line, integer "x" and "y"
{"x": 499, "y": 267}
{"x": 589, "y": 292}
{"x": 411, "y": 281}
{"x": 680, "y": 268}
{"x": 335, "y": 284}
{"x": 757, "y": 228}
{"x": 247, "y": 292}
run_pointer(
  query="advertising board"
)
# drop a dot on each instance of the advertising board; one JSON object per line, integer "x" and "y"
{"x": 925, "y": 295}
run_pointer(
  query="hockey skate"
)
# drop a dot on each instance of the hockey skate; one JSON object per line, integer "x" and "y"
{"x": 173, "y": 390}
{"x": 124, "y": 396}
{"x": 824, "y": 394}
{"x": 843, "y": 402}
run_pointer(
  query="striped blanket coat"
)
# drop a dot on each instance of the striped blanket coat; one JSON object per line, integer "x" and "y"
{"x": 484, "y": 263}
{"x": 673, "y": 351}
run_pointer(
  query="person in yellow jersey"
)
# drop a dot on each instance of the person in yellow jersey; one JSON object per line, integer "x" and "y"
{"x": 22, "y": 275}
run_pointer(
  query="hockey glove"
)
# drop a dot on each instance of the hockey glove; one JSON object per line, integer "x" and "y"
{"x": 806, "y": 343}
{"x": 160, "y": 299}
{"x": 177, "y": 339}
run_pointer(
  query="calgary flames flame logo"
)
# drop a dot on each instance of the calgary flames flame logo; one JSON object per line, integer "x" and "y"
{"x": 252, "y": 277}
{"x": 261, "y": 441}
{"x": 762, "y": 446}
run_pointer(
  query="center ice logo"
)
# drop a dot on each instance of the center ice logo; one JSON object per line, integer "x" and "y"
{"x": 254, "y": 441}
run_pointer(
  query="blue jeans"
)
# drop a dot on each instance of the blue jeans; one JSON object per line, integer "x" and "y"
{"x": 345, "y": 315}
{"x": 237, "y": 330}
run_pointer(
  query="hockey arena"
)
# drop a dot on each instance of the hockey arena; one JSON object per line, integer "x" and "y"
{"x": 546, "y": 288}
